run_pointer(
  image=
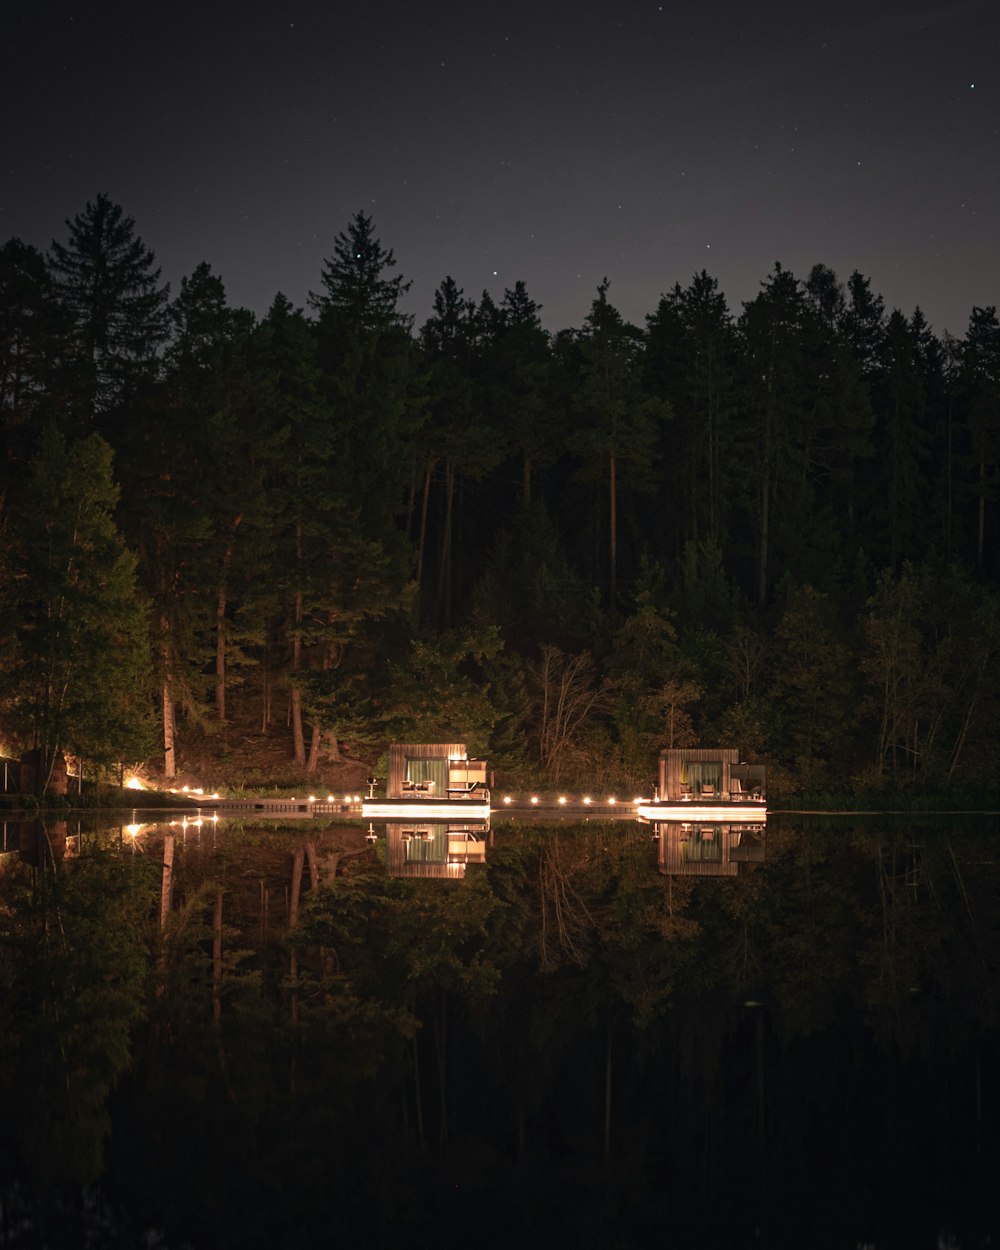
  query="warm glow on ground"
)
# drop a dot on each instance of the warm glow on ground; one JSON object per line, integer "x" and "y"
{"x": 134, "y": 783}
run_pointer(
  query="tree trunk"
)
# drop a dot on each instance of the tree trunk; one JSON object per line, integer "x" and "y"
{"x": 444, "y": 568}
{"x": 169, "y": 754}
{"x": 424, "y": 504}
{"x": 298, "y": 738}
{"x": 315, "y": 743}
{"x": 613, "y": 526}
{"x": 220, "y": 657}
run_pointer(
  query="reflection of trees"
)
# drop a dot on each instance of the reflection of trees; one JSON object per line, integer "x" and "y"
{"x": 72, "y": 964}
{"x": 327, "y": 1042}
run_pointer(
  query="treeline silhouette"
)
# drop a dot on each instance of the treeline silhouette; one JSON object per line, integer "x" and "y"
{"x": 777, "y": 527}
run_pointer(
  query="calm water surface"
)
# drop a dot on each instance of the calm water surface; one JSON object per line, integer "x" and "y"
{"x": 605, "y": 1034}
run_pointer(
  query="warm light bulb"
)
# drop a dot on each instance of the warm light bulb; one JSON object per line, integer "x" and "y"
{"x": 562, "y": 799}
{"x": 534, "y": 798}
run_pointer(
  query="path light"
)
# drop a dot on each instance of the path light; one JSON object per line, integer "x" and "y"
{"x": 132, "y": 830}
{"x": 534, "y": 798}
{"x": 312, "y": 798}
{"x": 506, "y": 798}
{"x": 586, "y": 799}
{"x": 357, "y": 798}
{"x": 134, "y": 783}
{"x": 329, "y": 798}
{"x": 612, "y": 801}
{"x": 200, "y": 790}
{"x": 347, "y": 798}
{"x": 562, "y": 799}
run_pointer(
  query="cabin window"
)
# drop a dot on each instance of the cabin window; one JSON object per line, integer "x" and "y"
{"x": 430, "y": 773}
{"x": 703, "y": 777}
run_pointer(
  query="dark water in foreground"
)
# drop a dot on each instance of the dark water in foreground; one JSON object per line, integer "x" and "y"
{"x": 256, "y": 1036}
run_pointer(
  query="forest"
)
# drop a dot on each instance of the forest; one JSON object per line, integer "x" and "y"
{"x": 776, "y": 528}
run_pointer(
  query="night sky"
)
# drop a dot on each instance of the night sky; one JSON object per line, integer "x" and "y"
{"x": 551, "y": 141}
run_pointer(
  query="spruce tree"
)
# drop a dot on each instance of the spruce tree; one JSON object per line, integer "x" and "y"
{"x": 107, "y": 280}
{"x": 78, "y": 678}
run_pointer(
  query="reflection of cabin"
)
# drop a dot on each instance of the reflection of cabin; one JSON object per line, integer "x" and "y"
{"x": 703, "y": 849}
{"x": 434, "y": 849}
{"x": 434, "y": 771}
{"x": 704, "y": 774}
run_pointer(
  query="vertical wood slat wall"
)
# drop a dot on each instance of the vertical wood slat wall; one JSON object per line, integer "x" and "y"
{"x": 673, "y": 759}
{"x": 399, "y": 753}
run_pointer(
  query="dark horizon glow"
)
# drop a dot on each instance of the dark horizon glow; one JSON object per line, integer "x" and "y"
{"x": 552, "y": 143}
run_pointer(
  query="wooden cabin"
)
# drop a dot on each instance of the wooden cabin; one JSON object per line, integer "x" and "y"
{"x": 438, "y": 771}
{"x": 709, "y": 774}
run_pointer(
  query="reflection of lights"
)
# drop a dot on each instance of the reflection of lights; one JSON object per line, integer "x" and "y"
{"x": 562, "y": 799}
{"x": 134, "y": 783}
{"x": 215, "y": 817}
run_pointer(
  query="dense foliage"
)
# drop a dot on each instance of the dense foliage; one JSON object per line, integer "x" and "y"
{"x": 777, "y": 528}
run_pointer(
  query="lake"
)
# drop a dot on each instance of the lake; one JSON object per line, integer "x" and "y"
{"x": 601, "y": 1034}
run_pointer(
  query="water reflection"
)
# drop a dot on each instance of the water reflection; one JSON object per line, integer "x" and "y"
{"x": 437, "y": 849}
{"x": 708, "y": 849}
{"x": 260, "y": 1035}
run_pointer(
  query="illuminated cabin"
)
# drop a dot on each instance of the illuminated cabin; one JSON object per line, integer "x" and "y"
{"x": 709, "y": 775}
{"x": 435, "y": 771}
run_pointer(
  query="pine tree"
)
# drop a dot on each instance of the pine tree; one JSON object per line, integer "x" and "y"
{"x": 359, "y": 296}
{"x": 979, "y": 382}
{"x": 79, "y": 680}
{"x": 107, "y": 281}
{"x": 370, "y": 378}
{"x": 619, "y": 423}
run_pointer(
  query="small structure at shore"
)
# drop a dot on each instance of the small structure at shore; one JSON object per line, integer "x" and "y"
{"x": 431, "y": 780}
{"x": 434, "y": 771}
{"x": 709, "y": 774}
